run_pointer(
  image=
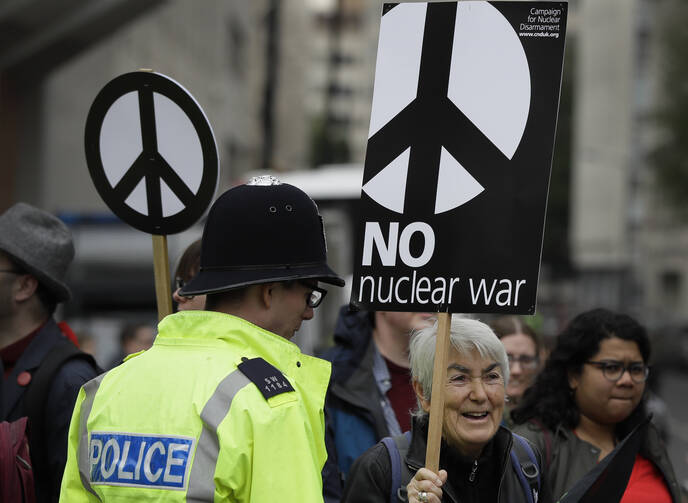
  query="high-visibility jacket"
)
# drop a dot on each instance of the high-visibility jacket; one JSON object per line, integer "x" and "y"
{"x": 217, "y": 410}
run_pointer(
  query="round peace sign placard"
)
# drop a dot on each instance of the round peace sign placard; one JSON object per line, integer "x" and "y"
{"x": 151, "y": 152}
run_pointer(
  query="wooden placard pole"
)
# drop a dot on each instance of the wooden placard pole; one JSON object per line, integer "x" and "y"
{"x": 161, "y": 267}
{"x": 439, "y": 378}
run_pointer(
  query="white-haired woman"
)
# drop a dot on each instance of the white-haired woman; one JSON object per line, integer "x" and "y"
{"x": 475, "y": 456}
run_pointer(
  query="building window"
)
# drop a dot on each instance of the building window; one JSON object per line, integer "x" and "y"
{"x": 237, "y": 47}
{"x": 671, "y": 284}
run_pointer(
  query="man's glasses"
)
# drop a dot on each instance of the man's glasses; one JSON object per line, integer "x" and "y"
{"x": 613, "y": 370}
{"x": 315, "y": 296}
{"x": 526, "y": 361}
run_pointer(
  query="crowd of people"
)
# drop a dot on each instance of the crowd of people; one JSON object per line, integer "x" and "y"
{"x": 217, "y": 403}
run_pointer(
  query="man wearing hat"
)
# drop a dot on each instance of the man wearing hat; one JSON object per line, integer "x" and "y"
{"x": 35, "y": 251}
{"x": 223, "y": 407}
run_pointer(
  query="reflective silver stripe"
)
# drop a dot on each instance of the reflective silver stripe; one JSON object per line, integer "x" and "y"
{"x": 201, "y": 481}
{"x": 83, "y": 454}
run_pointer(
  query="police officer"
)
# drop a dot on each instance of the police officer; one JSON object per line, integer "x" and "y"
{"x": 223, "y": 407}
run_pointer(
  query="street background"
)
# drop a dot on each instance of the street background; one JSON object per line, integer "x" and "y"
{"x": 287, "y": 87}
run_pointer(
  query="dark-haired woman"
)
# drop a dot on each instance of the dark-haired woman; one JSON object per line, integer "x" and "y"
{"x": 587, "y": 398}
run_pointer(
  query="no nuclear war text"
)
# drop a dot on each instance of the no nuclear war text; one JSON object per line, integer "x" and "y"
{"x": 415, "y": 288}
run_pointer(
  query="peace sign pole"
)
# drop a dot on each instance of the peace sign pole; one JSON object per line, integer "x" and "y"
{"x": 161, "y": 269}
{"x": 439, "y": 377}
{"x": 152, "y": 156}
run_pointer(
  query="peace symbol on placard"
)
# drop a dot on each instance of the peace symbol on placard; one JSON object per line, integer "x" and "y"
{"x": 446, "y": 136}
{"x": 132, "y": 118}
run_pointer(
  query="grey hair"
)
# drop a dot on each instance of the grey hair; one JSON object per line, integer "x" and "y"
{"x": 465, "y": 336}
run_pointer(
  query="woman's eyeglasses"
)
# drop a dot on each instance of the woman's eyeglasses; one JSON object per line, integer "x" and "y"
{"x": 613, "y": 370}
{"x": 526, "y": 361}
{"x": 490, "y": 378}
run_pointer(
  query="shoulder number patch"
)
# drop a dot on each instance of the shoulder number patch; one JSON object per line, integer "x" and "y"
{"x": 270, "y": 381}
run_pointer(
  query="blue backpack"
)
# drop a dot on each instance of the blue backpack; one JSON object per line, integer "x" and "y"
{"x": 523, "y": 462}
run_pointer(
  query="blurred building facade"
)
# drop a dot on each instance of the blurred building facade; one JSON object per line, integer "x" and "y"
{"x": 662, "y": 267}
{"x": 343, "y": 53}
{"x": 243, "y": 62}
{"x": 626, "y": 244}
{"x": 267, "y": 71}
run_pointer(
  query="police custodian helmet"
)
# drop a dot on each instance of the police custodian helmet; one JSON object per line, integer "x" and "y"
{"x": 260, "y": 232}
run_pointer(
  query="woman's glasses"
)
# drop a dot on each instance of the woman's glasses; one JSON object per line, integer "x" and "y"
{"x": 526, "y": 361}
{"x": 613, "y": 370}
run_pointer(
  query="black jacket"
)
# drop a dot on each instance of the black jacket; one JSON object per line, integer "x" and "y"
{"x": 58, "y": 408}
{"x": 353, "y": 389}
{"x": 369, "y": 480}
{"x": 568, "y": 458}
{"x": 353, "y": 410}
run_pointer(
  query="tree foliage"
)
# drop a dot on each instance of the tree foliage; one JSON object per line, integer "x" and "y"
{"x": 556, "y": 240}
{"x": 670, "y": 158}
{"x": 327, "y": 144}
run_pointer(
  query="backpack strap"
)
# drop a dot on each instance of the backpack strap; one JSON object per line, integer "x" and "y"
{"x": 36, "y": 395}
{"x": 395, "y": 446}
{"x": 525, "y": 465}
